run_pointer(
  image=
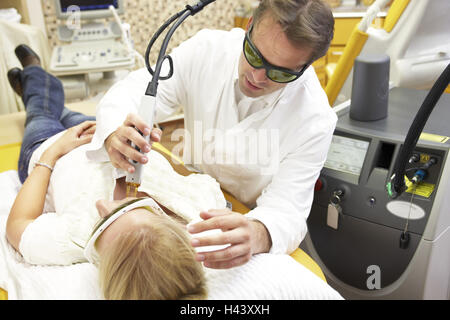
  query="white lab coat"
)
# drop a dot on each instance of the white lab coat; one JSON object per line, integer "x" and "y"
{"x": 284, "y": 137}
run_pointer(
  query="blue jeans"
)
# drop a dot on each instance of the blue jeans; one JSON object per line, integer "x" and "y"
{"x": 43, "y": 97}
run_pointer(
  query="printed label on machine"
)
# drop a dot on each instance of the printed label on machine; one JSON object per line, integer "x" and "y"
{"x": 433, "y": 137}
{"x": 423, "y": 189}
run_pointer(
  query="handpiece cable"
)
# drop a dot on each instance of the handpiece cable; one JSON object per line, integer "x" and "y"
{"x": 148, "y": 101}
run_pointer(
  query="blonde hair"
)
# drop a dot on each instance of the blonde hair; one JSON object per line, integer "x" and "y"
{"x": 155, "y": 262}
{"x": 305, "y": 22}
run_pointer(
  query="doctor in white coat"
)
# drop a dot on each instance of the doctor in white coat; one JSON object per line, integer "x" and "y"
{"x": 256, "y": 119}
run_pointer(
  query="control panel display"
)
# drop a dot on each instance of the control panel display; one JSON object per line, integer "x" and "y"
{"x": 88, "y": 4}
{"x": 346, "y": 154}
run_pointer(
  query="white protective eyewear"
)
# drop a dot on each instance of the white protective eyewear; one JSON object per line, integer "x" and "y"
{"x": 90, "y": 252}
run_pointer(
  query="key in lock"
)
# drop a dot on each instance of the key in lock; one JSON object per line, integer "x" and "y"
{"x": 334, "y": 209}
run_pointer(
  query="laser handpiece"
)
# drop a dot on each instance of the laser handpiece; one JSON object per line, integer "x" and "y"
{"x": 146, "y": 111}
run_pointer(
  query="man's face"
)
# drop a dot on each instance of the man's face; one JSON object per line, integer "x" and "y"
{"x": 275, "y": 47}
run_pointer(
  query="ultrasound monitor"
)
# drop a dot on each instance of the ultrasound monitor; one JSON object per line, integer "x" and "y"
{"x": 87, "y": 9}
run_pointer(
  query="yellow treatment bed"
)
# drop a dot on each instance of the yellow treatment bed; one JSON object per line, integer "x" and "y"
{"x": 11, "y": 133}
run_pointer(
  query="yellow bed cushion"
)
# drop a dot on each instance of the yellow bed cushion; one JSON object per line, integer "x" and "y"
{"x": 9, "y": 155}
{"x": 3, "y": 294}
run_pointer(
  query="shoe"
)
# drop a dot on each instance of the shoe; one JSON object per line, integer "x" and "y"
{"x": 27, "y": 56}
{"x": 15, "y": 80}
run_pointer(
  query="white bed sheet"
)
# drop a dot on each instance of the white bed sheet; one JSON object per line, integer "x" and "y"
{"x": 265, "y": 277}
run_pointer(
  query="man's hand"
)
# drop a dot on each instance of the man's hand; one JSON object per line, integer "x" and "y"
{"x": 118, "y": 143}
{"x": 247, "y": 237}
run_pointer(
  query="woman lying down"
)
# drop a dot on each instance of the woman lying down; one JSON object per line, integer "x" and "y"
{"x": 72, "y": 210}
{"x": 130, "y": 240}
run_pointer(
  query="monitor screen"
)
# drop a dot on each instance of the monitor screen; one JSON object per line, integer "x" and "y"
{"x": 346, "y": 154}
{"x": 87, "y": 9}
{"x": 86, "y": 5}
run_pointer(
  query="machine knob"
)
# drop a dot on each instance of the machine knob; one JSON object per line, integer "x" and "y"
{"x": 337, "y": 196}
{"x": 372, "y": 201}
{"x": 319, "y": 185}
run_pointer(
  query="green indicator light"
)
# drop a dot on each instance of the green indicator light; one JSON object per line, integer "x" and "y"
{"x": 388, "y": 187}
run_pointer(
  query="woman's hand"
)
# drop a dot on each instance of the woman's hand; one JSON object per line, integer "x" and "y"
{"x": 71, "y": 139}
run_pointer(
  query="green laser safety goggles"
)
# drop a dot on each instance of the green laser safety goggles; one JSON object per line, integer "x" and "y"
{"x": 257, "y": 61}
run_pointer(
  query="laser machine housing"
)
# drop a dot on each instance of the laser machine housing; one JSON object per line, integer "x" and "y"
{"x": 355, "y": 228}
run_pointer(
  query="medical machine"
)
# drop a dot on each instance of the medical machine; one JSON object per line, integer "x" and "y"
{"x": 90, "y": 45}
{"x": 147, "y": 105}
{"x": 372, "y": 237}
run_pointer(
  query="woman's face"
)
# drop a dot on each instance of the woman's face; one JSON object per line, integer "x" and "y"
{"x": 131, "y": 220}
